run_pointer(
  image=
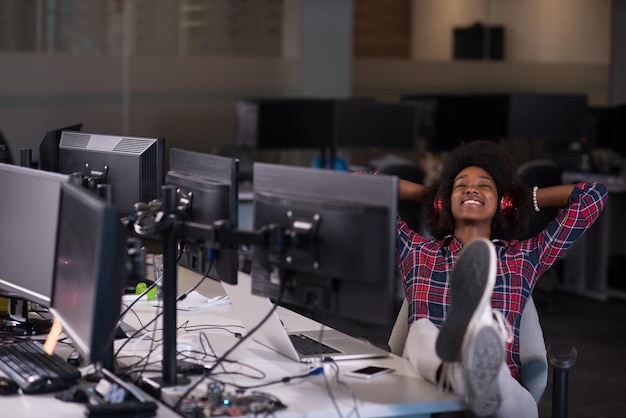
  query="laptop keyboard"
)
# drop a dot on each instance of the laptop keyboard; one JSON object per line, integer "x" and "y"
{"x": 308, "y": 346}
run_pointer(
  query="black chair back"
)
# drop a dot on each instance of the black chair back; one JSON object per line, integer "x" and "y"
{"x": 542, "y": 173}
{"x": 410, "y": 212}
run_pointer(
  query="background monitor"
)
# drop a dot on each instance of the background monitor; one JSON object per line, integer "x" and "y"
{"x": 49, "y": 147}
{"x": 600, "y": 125}
{"x": 349, "y": 270}
{"x": 285, "y": 123}
{"x": 209, "y": 182}
{"x": 29, "y": 202}
{"x": 548, "y": 117}
{"x": 91, "y": 266}
{"x": 446, "y": 121}
{"x": 375, "y": 125}
{"x": 5, "y": 151}
{"x": 135, "y": 166}
{"x": 619, "y": 139}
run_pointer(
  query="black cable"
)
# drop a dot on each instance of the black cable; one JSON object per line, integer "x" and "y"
{"x": 159, "y": 313}
{"x": 286, "y": 379}
{"x": 208, "y": 372}
{"x": 202, "y": 279}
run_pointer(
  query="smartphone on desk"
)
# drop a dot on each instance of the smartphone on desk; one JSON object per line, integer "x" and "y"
{"x": 369, "y": 372}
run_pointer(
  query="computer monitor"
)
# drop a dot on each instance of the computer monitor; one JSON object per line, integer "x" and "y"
{"x": 340, "y": 253}
{"x": 91, "y": 265}
{"x": 547, "y": 117}
{"x": 209, "y": 184}
{"x": 49, "y": 147}
{"x": 5, "y": 151}
{"x": 619, "y": 139}
{"x": 285, "y": 123}
{"x": 446, "y": 121}
{"x": 29, "y": 202}
{"x": 600, "y": 126}
{"x": 133, "y": 166}
{"x": 375, "y": 125}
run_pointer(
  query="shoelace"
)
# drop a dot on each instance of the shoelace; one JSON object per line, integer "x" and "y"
{"x": 504, "y": 327}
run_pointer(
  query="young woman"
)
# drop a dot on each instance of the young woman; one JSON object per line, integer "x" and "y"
{"x": 464, "y": 312}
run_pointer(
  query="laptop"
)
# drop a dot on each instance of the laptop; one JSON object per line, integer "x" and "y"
{"x": 251, "y": 309}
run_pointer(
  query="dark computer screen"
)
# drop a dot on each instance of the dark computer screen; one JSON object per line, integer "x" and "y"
{"x": 446, "y": 121}
{"x": 5, "y": 151}
{"x": 600, "y": 126}
{"x": 133, "y": 166}
{"x": 91, "y": 265}
{"x": 619, "y": 140}
{"x": 375, "y": 125}
{"x": 209, "y": 184}
{"x": 340, "y": 256}
{"x": 29, "y": 202}
{"x": 49, "y": 147}
{"x": 285, "y": 123}
{"x": 548, "y": 117}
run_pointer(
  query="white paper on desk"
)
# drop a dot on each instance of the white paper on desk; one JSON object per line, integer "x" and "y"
{"x": 195, "y": 301}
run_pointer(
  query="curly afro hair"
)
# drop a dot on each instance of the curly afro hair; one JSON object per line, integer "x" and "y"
{"x": 496, "y": 161}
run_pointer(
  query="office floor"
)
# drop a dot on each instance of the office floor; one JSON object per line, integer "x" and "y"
{"x": 597, "y": 383}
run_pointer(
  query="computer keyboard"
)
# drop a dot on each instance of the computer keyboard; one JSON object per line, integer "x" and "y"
{"x": 307, "y": 345}
{"x": 33, "y": 370}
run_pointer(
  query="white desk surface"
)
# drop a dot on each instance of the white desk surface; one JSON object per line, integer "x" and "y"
{"x": 401, "y": 393}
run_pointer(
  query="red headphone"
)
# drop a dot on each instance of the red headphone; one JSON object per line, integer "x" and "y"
{"x": 508, "y": 204}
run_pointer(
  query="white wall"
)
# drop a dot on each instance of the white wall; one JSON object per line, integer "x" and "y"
{"x": 546, "y": 31}
{"x": 188, "y": 100}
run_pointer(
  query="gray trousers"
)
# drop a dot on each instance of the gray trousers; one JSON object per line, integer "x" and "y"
{"x": 516, "y": 401}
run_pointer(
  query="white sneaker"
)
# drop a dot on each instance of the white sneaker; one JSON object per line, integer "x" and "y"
{"x": 470, "y": 334}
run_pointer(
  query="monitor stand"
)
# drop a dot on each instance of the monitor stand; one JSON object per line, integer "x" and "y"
{"x": 17, "y": 319}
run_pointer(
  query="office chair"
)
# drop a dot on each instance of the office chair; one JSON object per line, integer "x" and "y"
{"x": 542, "y": 173}
{"x": 410, "y": 212}
{"x": 533, "y": 355}
{"x": 562, "y": 357}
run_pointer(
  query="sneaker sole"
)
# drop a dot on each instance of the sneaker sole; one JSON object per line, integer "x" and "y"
{"x": 471, "y": 282}
{"x": 483, "y": 357}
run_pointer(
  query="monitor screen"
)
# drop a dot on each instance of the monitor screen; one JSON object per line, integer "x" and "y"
{"x": 446, "y": 121}
{"x": 134, "y": 167}
{"x": 49, "y": 147}
{"x": 364, "y": 124}
{"x": 28, "y": 225}
{"x": 91, "y": 265}
{"x": 209, "y": 184}
{"x": 619, "y": 138}
{"x": 285, "y": 123}
{"x": 547, "y": 117}
{"x": 600, "y": 126}
{"x": 344, "y": 266}
{"x": 5, "y": 151}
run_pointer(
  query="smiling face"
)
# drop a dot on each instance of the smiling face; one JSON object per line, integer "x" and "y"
{"x": 474, "y": 196}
